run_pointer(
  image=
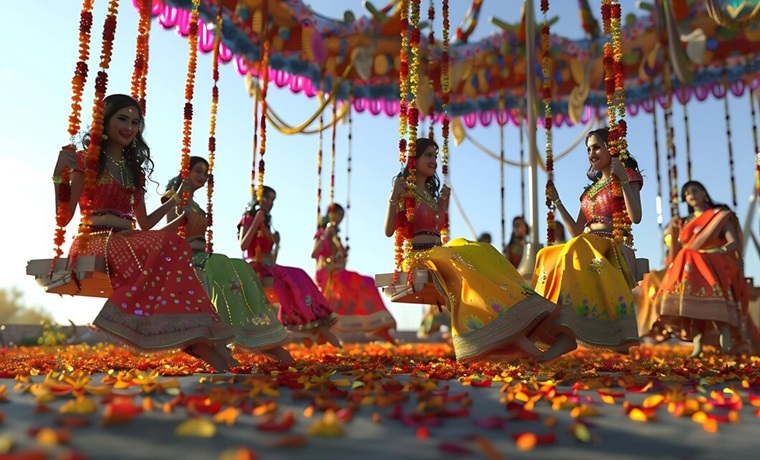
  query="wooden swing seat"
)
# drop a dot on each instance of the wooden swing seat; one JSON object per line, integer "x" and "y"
{"x": 642, "y": 268}
{"x": 421, "y": 291}
{"x": 90, "y": 271}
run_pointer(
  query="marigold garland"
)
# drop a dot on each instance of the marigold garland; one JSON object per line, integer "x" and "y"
{"x": 445, "y": 92}
{"x": 96, "y": 130}
{"x": 546, "y": 93}
{"x": 140, "y": 72}
{"x": 615, "y": 91}
{"x": 264, "y": 72}
{"x": 431, "y": 61}
{"x": 75, "y": 122}
{"x": 403, "y": 76}
{"x": 187, "y": 130}
{"x": 212, "y": 132}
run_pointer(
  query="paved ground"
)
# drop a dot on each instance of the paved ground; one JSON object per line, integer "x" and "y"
{"x": 461, "y": 417}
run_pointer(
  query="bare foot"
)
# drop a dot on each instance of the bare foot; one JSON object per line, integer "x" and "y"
{"x": 383, "y": 334}
{"x": 324, "y": 334}
{"x": 207, "y": 354}
{"x": 564, "y": 344}
{"x": 697, "y": 341}
{"x": 278, "y": 354}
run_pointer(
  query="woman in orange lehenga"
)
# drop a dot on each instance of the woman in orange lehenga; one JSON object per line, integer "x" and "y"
{"x": 704, "y": 296}
{"x": 354, "y": 298}
{"x": 493, "y": 312}
{"x": 591, "y": 277}
{"x": 157, "y": 302}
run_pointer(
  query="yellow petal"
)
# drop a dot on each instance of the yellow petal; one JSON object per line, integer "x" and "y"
{"x": 200, "y": 427}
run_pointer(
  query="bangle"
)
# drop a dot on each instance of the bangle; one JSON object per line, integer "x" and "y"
{"x": 557, "y": 202}
{"x": 57, "y": 180}
{"x": 392, "y": 201}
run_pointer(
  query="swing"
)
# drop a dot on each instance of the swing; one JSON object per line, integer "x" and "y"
{"x": 90, "y": 275}
{"x": 421, "y": 290}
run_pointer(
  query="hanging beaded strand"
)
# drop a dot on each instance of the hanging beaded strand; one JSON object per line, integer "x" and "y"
{"x": 140, "y": 72}
{"x": 729, "y": 141}
{"x": 687, "y": 134}
{"x": 670, "y": 142}
{"x": 96, "y": 129}
{"x": 75, "y": 122}
{"x": 348, "y": 162}
{"x": 187, "y": 128}
{"x": 753, "y": 115}
{"x": 546, "y": 95}
{"x": 445, "y": 94}
{"x": 212, "y": 131}
{"x": 320, "y": 154}
{"x": 502, "y": 167}
{"x": 333, "y": 134}
{"x": 658, "y": 173}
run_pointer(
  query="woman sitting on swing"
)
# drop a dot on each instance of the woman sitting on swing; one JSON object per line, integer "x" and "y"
{"x": 157, "y": 302}
{"x": 591, "y": 277}
{"x": 231, "y": 284}
{"x": 703, "y": 296}
{"x": 303, "y": 308}
{"x": 493, "y": 312}
{"x": 354, "y": 298}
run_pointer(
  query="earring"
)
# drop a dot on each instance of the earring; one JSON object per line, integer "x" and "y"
{"x": 134, "y": 143}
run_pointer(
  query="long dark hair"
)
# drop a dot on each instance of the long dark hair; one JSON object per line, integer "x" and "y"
{"x": 136, "y": 154}
{"x": 174, "y": 182}
{"x": 603, "y": 135}
{"x": 432, "y": 184}
{"x": 253, "y": 207}
{"x": 708, "y": 200}
{"x": 332, "y": 209}
{"x": 513, "y": 237}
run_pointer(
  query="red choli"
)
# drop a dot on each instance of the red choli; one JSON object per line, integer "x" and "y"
{"x": 110, "y": 196}
{"x": 195, "y": 226}
{"x": 259, "y": 244}
{"x": 597, "y": 200}
{"x": 427, "y": 220}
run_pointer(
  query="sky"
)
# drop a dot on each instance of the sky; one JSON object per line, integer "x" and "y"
{"x": 35, "y": 93}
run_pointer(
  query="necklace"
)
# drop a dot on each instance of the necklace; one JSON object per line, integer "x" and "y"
{"x": 125, "y": 178}
{"x": 426, "y": 198}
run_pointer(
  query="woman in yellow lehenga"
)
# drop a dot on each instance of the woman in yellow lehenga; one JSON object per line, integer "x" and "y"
{"x": 493, "y": 311}
{"x": 591, "y": 277}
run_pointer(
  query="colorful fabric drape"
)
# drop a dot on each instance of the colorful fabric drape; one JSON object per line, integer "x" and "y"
{"x": 234, "y": 290}
{"x": 302, "y": 305}
{"x": 353, "y": 297}
{"x": 705, "y": 286}
{"x": 589, "y": 277}
{"x": 491, "y": 306}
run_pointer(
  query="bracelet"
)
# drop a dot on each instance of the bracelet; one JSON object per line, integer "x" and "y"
{"x": 392, "y": 201}
{"x": 57, "y": 180}
{"x": 557, "y": 202}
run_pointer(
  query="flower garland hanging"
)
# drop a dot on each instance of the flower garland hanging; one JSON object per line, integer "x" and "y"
{"x": 403, "y": 229}
{"x": 320, "y": 154}
{"x": 728, "y": 136}
{"x": 410, "y": 201}
{"x": 212, "y": 132}
{"x": 546, "y": 95}
{"x": 77, "y": 89}
{"x": 334, "y": 133}
{"x": 187, "y": 130}
{"x": 445, "y": 92}
{"x": 264, "y": 73}
{"x": 615, "y": 92}
{"x": 140, "y": 72}
{"x": 348, "y": 162}
{"x": 755, "y": 142}
{"x": 96, "y": 130}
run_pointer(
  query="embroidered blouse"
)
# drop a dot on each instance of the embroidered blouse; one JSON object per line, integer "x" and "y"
{"x": 259, "y": 244}
{"x": 597, "y": 200}
{"x": 110, "y": 196}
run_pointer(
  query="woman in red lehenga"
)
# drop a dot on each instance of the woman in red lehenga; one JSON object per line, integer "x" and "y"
{"x": 354, "y": 297}
{"x": 303, "y": 308}
{"x": 704, "y": 296}
{"x": 157, "y": 302}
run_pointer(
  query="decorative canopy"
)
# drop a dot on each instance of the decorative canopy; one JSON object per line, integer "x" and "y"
{"x": 710, "y": 46}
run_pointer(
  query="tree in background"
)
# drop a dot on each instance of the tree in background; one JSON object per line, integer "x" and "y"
{"x": 14, "y": 311}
